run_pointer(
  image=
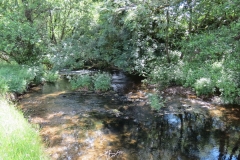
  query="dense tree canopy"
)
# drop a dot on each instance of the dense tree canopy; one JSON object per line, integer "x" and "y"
{"x": 187, "y": 42}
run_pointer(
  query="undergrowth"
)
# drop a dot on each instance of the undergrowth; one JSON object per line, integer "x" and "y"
{"x": 97, "y": 82}
{"x": 15, "y": 78}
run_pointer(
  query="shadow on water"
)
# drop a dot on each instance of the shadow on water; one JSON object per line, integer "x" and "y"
{"x": 121, "y": 125}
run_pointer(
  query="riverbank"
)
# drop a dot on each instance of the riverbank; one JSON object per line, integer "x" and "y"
{"x": 19, "y": 139}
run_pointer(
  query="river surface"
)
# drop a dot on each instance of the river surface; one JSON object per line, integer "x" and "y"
{"x": 121, "y": 125}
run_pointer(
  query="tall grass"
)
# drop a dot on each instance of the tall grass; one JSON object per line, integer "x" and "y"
{"x": 15, "y": 78}
{"x": 18, "y": 139}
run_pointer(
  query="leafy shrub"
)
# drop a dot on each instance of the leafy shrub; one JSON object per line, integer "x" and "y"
{"x": 15, "y": 78}
{"x": 229, "y": 90}
{"x": 204, "y": 86}
{"x": 168, "y": 74}
{"x": 17, "y": 85}
{"x": 51, "y": 76}
{"x": 39, "y": 72}
{"x": 205, "y": 77}
{"x": 156, "y": 101}
{"x": 3, "y": 86}
{"x": 102, "y": 82}
{"x": 81, "y": 82}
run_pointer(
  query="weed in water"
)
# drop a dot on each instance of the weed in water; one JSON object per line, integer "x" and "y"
{"x": 51, "y": 76}
{"x": 156, "y": 101}
{"x": 102, "y": 82}
{"x": 82, "y": 82}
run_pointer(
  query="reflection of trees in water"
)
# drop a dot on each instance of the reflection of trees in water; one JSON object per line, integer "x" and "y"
{"x": 184, "y": 136}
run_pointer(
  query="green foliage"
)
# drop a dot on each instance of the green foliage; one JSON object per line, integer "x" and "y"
{"x": 168, "y": 74}
{"x": 82, "y": 82}
{"x": 15, "y": 78}
{"x": 102, "y": 82}
{"x": 210, "y": 64}
{"x": 51, "y": 76}
{"x": 171, "y": 42}
{"x": 3, "y": 86}
{"x": 22, "y": 40}
{"x": 228, "y": 84}
{"x": 19, "y": 140}
{"x": 156, "y": 101}
{"x": 98, "y": 82}
{"x": 204, "y": 86}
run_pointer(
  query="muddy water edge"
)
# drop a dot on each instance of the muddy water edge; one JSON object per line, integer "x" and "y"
{"x": 121, "y": 125}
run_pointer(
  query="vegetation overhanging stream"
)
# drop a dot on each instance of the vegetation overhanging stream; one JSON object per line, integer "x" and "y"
{"x": 120, "y": 124}
{"x": 190, "y": 43}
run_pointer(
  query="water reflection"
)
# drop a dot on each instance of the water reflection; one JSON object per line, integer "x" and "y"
{"x": 77, "y": 125}
{"x": 182, "y": 136}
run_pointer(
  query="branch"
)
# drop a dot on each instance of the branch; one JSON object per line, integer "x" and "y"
{"x": 4, "y": 56}
{"x": 126, "y": 8}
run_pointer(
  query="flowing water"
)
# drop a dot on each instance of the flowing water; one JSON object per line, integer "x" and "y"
{"x": 121, "y": 125}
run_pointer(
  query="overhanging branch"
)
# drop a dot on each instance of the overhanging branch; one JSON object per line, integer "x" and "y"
{"x": 4, "y": 56}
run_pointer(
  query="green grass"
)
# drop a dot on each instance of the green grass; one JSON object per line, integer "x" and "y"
{"x": 18, "y": 139}
{"x": 15, "y": 78}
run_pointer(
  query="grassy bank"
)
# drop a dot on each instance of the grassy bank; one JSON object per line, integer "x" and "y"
{"x": 15, "y": 78}
{"x": 18, "y": 139}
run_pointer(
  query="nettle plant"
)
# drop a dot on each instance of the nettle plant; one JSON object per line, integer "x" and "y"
{"x": 51, "y": 76}
{"x": 156, "y": 101}
{"x": 82, "y": 82}
{"x": 97, "y": 82}
{"x": 102, "y": 81}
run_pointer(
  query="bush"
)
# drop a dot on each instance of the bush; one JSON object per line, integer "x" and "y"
{"x": 168, "y": 74}
{"x": 83, "y": 82}
{"x": 3, "y": 86}
{"x": 15, "y": 78}
{"x": 156, "y": 101}
{"x": 204, "y": 86}
{"x": 102, "y": 82}
{"x": 51, "y": 76}
{"x": 228, "y": 88}
{"x": 97, "y": 82}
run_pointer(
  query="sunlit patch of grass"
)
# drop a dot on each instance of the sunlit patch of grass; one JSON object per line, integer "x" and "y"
{"x": 18, "y": 139}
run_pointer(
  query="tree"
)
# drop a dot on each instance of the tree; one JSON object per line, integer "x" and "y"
{"x": 22, "y": 39}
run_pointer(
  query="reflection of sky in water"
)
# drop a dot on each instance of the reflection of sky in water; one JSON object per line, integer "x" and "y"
{"x": 213, "y": 154}
{"x": 207, "y": 154}
{"x": 172, "y": 119}
{"x": 209, "y": 151}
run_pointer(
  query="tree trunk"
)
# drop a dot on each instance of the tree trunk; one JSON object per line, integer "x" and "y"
{"x": 190, "y": 8}
{"x": 51, "y": 28}
{"x": 167, "y": 36}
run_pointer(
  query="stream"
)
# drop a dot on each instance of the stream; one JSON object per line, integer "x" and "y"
{"x": 121, "y": 125}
